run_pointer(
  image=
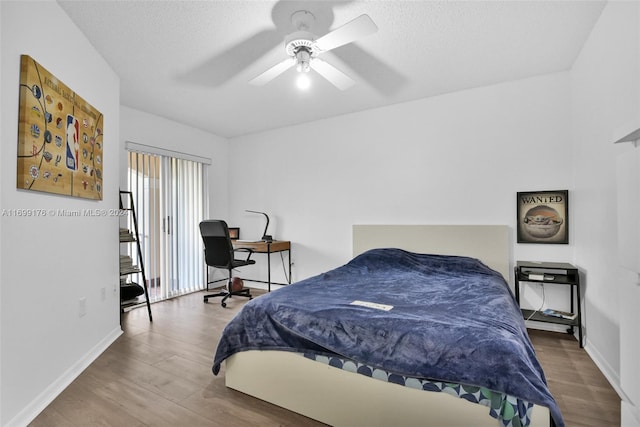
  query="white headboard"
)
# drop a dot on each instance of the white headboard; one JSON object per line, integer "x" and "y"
{"x": 488, "y": 243}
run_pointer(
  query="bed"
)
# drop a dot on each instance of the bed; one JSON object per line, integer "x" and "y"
{"x": 348, "y": 351}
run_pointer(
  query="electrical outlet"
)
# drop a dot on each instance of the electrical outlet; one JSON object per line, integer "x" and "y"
{"x": 103, "y": 293}
{"x": 82, "y": 306}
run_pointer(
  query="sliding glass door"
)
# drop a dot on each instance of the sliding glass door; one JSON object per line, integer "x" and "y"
{"x": 170, "y": 199}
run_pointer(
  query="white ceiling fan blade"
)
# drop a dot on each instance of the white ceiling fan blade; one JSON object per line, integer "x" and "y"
{"x": 332, "y": 74}
{"x": 360, "y": 27}
{"x": 273, "y": 72}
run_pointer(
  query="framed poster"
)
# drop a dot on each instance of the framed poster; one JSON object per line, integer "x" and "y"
{"x": 543, "y": 217}
{"x": 234, "y": 233}
{"x": 59, "y": 137}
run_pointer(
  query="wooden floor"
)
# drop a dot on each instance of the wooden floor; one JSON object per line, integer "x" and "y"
{"x": 584, "y": 395}
{"x": 159, "y": 374}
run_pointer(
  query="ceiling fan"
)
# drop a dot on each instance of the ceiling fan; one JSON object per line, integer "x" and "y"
{"x": 303, "y": 49}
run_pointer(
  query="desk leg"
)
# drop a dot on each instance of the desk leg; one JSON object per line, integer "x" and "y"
{"x": 579, "y": 308}
{"x": 289, "y": 278}
{"x": 269, "y": 267}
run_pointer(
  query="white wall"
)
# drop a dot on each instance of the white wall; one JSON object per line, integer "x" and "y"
{"x": 605, "y": 94}
{"x": 48, "y": 263}
{"x": 1, "y": 207}
{"x": 453, "y": 159}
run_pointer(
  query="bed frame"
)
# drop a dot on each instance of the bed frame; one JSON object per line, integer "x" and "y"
{"x": 341, "y": 398}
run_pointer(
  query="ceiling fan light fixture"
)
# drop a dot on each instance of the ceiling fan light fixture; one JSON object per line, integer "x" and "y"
{"x": 303, "y": 57}
{"x": 303, "y": 48}
{"x": 303, "y": 67}
{"x": 303, "y": 81}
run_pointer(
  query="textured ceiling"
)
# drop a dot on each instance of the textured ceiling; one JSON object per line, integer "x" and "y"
{"x": 191, "y": 61}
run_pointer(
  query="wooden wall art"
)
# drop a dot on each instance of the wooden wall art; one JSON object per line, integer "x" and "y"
{"x": 59, "y": 137}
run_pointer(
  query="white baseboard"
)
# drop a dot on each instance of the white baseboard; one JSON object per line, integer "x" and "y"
{"x": 31, "y": 411}
{"x": 630, "y": 416}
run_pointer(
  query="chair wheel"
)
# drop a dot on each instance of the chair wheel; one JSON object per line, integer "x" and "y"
{"x": 223, "y": 304}
{"x": 206, "y": 300}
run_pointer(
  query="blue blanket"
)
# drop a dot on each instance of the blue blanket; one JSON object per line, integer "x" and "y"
{"x": 452, "y": 319}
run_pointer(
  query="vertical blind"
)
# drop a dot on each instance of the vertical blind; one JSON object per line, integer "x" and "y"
{"x": 170, "y": 200}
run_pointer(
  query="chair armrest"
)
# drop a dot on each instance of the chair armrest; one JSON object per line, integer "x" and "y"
{"x": 248, "y": 250}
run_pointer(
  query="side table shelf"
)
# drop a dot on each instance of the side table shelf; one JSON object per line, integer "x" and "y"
{"x": 553, "y": 273}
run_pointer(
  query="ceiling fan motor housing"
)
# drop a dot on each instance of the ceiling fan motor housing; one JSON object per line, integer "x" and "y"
{"x": 301, "y": 39}
{"x": 301, "y": 46}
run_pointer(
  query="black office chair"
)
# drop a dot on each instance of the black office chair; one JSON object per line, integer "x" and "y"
{"x": 219, "y": 253}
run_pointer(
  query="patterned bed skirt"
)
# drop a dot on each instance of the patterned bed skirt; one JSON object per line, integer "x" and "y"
{"x": 510, "y": 411}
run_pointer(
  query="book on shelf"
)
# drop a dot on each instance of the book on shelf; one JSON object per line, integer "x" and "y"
{"x": 559, "y": 313}
{"x": 126, "y": 235}
{"x": 126, "y": 265}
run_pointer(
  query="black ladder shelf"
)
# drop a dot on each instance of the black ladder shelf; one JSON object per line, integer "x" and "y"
{"x": 130, "y": 238}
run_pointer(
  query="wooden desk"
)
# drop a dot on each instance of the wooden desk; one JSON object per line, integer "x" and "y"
{"x": 267, "y": 248}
